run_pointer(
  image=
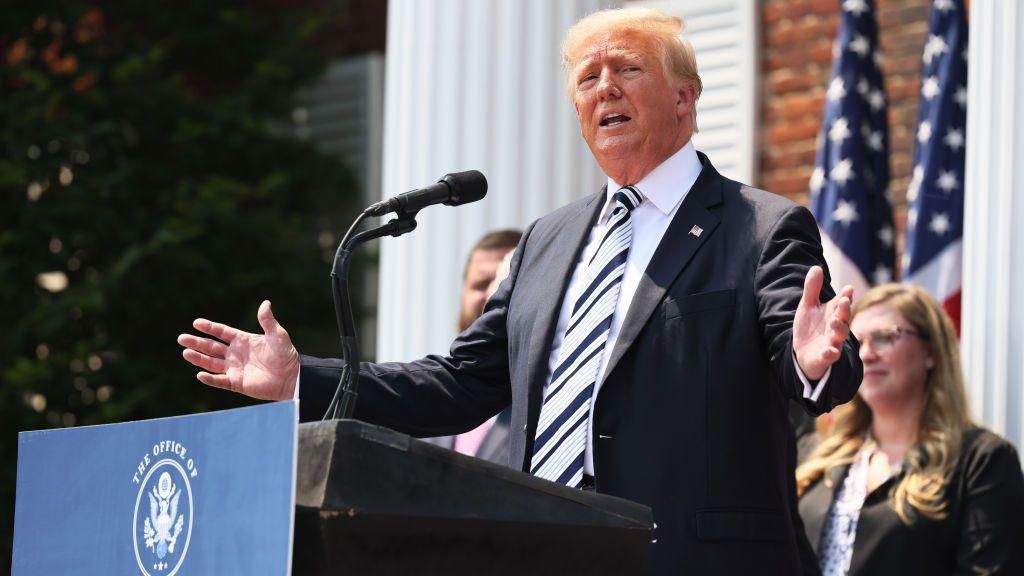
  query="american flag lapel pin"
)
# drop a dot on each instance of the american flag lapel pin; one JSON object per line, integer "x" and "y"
{"x": 696, "y": 231}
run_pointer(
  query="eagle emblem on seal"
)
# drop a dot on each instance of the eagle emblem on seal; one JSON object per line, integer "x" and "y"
{"x": 162, "y": 527}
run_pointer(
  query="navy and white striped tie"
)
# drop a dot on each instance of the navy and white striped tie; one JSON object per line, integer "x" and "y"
{"x": 562, "y": 430}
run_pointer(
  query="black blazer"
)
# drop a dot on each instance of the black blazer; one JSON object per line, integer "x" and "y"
{"x": 983, "y": 534}
{"x": 691, "y": 417}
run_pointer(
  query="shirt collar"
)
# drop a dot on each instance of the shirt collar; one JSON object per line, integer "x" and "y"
{"x": 668, "y": 184}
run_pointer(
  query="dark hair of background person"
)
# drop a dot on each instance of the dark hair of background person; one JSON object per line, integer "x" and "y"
{"x": 479, "y": 271}
{"x": 506, "y": 239}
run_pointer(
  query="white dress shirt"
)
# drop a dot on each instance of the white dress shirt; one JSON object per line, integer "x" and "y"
{"x": 664, "y": 189}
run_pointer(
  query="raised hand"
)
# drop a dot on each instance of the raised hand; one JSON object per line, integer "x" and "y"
{"x": 819, "y": 330}
{"x": 263, "y": 366}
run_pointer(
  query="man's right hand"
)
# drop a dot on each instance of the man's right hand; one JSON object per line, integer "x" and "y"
{"x": 263, "y": 366}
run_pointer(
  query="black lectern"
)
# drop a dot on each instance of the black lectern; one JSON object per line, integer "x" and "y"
{"x": 372, "y": 501}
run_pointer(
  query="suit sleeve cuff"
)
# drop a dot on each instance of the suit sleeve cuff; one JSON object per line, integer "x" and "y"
{"x": 811, "y": 391}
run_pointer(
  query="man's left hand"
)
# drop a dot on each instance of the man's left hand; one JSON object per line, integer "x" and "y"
{"x": 819, "y": 330}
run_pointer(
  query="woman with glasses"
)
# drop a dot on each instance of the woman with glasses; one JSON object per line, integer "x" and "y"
{"x": 901, "y": 481}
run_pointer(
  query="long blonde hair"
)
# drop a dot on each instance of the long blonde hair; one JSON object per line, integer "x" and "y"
{"x": 944, "y": 418}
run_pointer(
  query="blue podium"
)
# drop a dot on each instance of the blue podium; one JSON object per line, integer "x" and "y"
{"x": 204, "y": 494}
{"x": 252, "y": 492}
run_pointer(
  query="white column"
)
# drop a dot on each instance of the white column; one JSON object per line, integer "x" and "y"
{"x": 993, "y": 273}
{"x": 471, "y": 84}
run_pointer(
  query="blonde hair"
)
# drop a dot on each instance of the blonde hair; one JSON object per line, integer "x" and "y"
{"x": 944, "y": 418}
{"x": 677, "y": 55}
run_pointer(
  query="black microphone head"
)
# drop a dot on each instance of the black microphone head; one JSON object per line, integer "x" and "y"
{"x": 466, "y": 187}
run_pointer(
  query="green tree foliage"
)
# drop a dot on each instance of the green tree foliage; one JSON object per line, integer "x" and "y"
{"x": 140, "y": 187}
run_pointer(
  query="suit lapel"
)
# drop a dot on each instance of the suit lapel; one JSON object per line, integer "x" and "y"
{"x": 674, "y": 252}
{"x": 566, "y": 243}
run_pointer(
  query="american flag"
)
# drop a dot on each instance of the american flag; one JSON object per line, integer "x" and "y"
{"x": 935, "y": 199}
{"x": 850, "y": 181}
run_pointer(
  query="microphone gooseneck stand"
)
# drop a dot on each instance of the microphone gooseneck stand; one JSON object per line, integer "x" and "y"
{"x": 344, "y": 401}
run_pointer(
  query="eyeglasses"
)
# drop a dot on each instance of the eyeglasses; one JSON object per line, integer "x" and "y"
{"x": 882, "y": 341}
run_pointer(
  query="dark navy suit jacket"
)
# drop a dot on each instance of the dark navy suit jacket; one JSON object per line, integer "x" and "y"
{"x": 691, "y": 418}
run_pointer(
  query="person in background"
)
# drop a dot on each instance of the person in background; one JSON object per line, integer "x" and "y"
{"x": 902, "y": 482}
{"x": 486, "y": 267}
{"x": 481, "y": 270}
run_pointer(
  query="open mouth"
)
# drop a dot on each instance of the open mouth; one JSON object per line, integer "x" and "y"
{"x": 614, "y": 120}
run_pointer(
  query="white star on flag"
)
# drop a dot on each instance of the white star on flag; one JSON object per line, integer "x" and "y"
{"x": 882, "y": 275}
{"x": 930, "y": 87}
{"x": 859, "y": 46}
{"x": 857, "y": 7}
{"x": 911, "y": 217}
{"x": 924, "y": 132}
{"x": 940, "y": 224}
{"x": 878, "y": 59}
{"x": 846, "y": 213}
{"x": 954, "y": 139}
{"x": 961, "y": 96}
{"x": 843, "y": 171}
{"x": 944, "y": 5}
{"x": 947, "y": 181}
{"x": 876, "y": 100}
{"x": 885, "y": 235}
{"x": 836, "y": 90}
{"x": 840, "y": 130}
{"x": 915, "y": 183}
{"x": 934, "y": 47}
{"x": 817, "y": 180}
{"x": 874, "y": 141}
{"x": 863, "y": 86}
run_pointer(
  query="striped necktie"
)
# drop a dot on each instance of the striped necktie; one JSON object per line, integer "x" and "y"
{"x": 562, "y": 430}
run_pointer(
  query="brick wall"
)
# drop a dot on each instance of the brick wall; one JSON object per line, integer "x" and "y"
{"x": 796, "y": 64}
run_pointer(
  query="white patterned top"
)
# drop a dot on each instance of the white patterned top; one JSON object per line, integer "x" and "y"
{"x": 840, "y": 531}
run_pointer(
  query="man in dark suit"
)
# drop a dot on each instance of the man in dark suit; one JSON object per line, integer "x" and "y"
{"x": 679, "y": 308}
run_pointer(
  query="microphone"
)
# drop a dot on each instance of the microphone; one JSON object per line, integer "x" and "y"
{"x": 454, "y": 189}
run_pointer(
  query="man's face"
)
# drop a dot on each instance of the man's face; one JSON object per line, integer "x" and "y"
{"x": 483, "y": 265}
{"x": 632, "y": 116}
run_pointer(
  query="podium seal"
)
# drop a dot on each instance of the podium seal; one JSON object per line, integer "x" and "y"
{"x": 162, "y": 521}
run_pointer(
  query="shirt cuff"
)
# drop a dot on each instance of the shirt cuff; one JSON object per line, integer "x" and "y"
{"x": 810, "y": 392}
{"x": 297, "y": 378}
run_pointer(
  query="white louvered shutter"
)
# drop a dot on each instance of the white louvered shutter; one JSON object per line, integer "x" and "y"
{"x": 341, "y": 114}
